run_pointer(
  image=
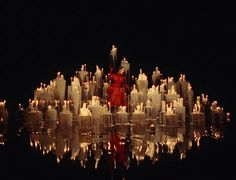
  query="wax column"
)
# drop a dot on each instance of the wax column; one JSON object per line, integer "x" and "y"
{"x": 3, "y": 111}
{"x": 83, "y": 74}
{"x": 122, "y": 115}
{"x": 85, "y": 119}
{"x": 51, "y": 113}
{"x": 217, "y": 113}
{"x": 84, "y": 78}
{"x": 98, "y": 80}
{"x": 205, "y": 104}
{"x": 172, "y": 95}
{"x": 184, "y": 84}
{"x": 149, "y": 110}
{"x": 156, "y": 76}
{"x": 85, "y": 92}
{"x": 113, "y": 55}
{"x": 97, "y": 110}
{"x": 197, "y": 115}
{"x": 125, "y": 64}
{"x": 138, "y": 114}
{"x": 170, "y": 117}
{"x": 34, "y": 114}
{"x": 76, "y": 98}
{"x": 105, "y": 86}
{"x": 98, "y": 75}
{"x": 69, "y": 88}
{"x": 121, "y": 120}
{"x": 66, "y": 116}
{"x": 155, "y": 97}
{"x": 76, "y": 95}
{"x": 162, "y": 89}
{"x": 163, "y": 106}
{"x": 60, "y": 87}
{"x": 43, "y": 93}
{"x": 134, "y": 95}
{"x": 92, "y": 88}
{"x": 138, "y": 119}
{"x": 142, "y": 85}
{"x": 170, "y": 83}
{"x": 180, "y": 110}
{"x": 189, "y": 106}
{"x": 106, "y": 119}
{"x": 38, "y": 91}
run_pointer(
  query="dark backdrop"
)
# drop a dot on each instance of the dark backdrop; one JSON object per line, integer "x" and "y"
{"x": 39, "y": 39}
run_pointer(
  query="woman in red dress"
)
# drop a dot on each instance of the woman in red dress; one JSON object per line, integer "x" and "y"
{"x": 117, "y": 90}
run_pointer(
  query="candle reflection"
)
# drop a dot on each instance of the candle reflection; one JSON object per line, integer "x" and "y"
{"x": 48, "y": 136}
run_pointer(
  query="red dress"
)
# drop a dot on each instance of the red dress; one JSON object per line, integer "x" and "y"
{"x": 116, "y": 91}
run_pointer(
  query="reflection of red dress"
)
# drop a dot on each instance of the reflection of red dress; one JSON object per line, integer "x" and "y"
{"x": 117, "y": 149}
{"x": 116, "y": 91}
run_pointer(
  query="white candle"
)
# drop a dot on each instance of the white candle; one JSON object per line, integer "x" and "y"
{"x": 163, "y": 106}
{"x": 109, "y": 106}
{"x": 105, "y": 78}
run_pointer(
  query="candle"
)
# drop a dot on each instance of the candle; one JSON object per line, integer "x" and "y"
{"x": 113, "y": 53}
{"x": 109, "y": 106}
{"x": 162, "y": 87}
{"x": 90, "y": 76}
{"x": 163, "y": 106}
{"x": 228, "y": 116}
{"x": 29, "y": 102}
{"x": 49, "y": 108}
{"x": 20, "y": 108}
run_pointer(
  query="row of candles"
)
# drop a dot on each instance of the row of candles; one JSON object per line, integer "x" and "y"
{"x": 87, "y": 91}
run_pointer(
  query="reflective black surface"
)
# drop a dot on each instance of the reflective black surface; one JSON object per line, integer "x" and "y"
{"x": 48, "y": 149}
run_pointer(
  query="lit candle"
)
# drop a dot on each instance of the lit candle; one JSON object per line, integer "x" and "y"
{"x": 49, "y": 108}
{"x": 228, "y": 116}
{"x": 58, "y": 75}
{"x": 90, "y": 75}
{"x": 20, "y": 108}
{"x": 105, "y": 78}
{"x": 29, "y": 102}
{"x": 163, "y": 106}
{"x": 109, "y": 106}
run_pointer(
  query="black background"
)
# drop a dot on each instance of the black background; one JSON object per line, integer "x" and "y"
{"x": 39, "y": 39}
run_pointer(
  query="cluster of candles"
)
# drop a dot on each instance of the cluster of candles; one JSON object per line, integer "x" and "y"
{"x": 84, "y": 103}
{"x": 86, "y": 91}
{"x": 86, "y": 95}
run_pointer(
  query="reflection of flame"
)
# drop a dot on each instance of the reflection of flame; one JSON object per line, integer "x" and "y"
{"x": 67, "y": 139}
{"x": 190, "y": 144}
{"x": 58, "y": 159}
{"x": 65, "y": 149}
{"x": 197, "y": 137}
{"x": 182, "y": 155}
{"x": 171, "y": 142}
{"x": 31, "y": 143}
{"x": 150, "y": 151}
